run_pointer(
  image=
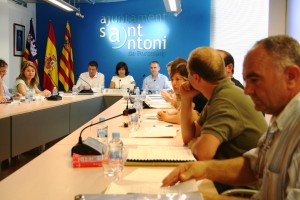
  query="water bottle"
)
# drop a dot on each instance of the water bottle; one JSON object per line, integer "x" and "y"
{"x": 102, "y": 132}
{"x": 144, "y": 95}
{"x": 29, "y": 96}
{"x": 54, "y": 91}
{"x": 115, "y": 148}
{"x": 146, "y": 90}
{"x": 74, "y": 90}
{"x": 134, "y": 121}
{"x": 137, "y": 92}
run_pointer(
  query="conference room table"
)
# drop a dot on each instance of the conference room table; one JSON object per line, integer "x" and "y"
{"x": 51, "y": 176}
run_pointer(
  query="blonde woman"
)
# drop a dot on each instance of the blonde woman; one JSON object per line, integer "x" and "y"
{"x": 28, "y": 81}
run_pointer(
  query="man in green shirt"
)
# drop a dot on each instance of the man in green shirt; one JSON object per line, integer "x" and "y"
{"x": 229, "y": 125}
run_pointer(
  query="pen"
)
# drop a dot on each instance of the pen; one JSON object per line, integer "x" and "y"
{"x": 169, "y": 125}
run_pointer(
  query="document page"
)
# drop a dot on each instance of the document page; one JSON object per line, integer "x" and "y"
{"x": 160, "y": 153}
{"x": 149, "y": 184}
{"x": 155, "y": 132}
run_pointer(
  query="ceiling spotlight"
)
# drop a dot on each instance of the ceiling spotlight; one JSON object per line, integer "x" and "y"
{"x": 173, "y": 6}
{"x": 78, "y": 14}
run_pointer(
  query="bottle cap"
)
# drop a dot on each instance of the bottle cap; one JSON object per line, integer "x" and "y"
{"x": 115, "y": 135}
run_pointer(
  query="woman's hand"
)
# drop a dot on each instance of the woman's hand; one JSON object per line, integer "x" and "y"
{"x": 46, "y": 93}
{"x": 162, "y": 115}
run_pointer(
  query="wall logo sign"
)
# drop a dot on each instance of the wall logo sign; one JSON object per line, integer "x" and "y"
{"x": 137, "y": 35}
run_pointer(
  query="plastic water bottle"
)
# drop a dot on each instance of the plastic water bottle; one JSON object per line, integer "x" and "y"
{"x": 143, "y": 95}
{"x": 29, "y": 96}
{"x": 102, "y": 132}
{"x": 134, "y": 122}
{"x": 54, "y": 91}
{"x": 115, "y": 147}
{"x": 138, "y": 105}
{"x": 146, "y": 90}
{"x": 74, "y": 90}
{"x": 137, "y": 92}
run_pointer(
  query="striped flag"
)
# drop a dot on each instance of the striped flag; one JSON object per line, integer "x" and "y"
{"x": 50, "y": 68}
{"x": 30, "y": 53}
{"x": 66, "y": 70}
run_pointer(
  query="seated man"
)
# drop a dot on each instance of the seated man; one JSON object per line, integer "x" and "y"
{"x": 229, "y": 125}
{"x": 92, "y": 79}
{"x": 229, "y": 65}
{"x": 272, "y": 76}
{"x": 4, "y": 92}
{"x": 156, "y": 81}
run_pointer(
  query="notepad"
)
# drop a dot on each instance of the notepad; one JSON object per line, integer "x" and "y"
{"x": 158, "y": 156}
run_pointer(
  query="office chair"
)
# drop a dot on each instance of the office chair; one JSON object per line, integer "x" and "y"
{"x": 239, "y": 192}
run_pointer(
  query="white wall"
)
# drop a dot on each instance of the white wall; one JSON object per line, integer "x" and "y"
{"x": 11, "y": 13}
{"x": 236, "y": 25}
{"x": 293, "y": 19}
{"x": 277, "y": 17}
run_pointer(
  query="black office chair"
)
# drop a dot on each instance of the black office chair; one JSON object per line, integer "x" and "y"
{"x": 240, "y": 192}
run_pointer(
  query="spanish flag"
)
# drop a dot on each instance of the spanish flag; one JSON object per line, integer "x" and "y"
{"x": 30, "y": 53}
{"x": 50, "y": 68}
{"x": 66, "y": 70}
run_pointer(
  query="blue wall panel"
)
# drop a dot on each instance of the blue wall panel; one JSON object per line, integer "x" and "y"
{"x": 132, "y": 31}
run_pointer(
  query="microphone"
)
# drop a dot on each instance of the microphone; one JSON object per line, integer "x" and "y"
{"x": 91, "y": 146}
{"x": 89, "y": 91}
{"x": 54, "y": 97}
{"x": 119, "y": 83}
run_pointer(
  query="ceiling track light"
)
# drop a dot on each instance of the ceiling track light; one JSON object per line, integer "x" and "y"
{"x": 173, "y": 6}
{"x": 63, "y": 5}
{"x": 78, "y": 14}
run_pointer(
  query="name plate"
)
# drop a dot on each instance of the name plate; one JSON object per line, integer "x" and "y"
{"x": 108, "y": 91}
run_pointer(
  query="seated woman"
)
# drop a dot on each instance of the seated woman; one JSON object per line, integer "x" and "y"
{"x": 178, "y": 75}
{"x": 28, "y": 80}
{"x": 122, "y": 78}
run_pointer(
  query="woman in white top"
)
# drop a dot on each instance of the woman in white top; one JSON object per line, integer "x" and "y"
{"x": 122, "y": 78}
{"x": 28, "y": 81}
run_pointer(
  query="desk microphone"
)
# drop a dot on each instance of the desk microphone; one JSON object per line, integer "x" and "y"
{"x": 119, "y": 83}
{"x": 54, "y": 97}
{"x": 91, "y": 146}
{"x": 89, "y": 91}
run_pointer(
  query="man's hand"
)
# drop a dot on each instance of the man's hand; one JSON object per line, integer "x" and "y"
{"x": 2, "y": 99}
{"x": 187, "y": 91}
{"x": 184, "y": 172}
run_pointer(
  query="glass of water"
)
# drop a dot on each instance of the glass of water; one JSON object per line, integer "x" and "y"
{"x": 16, "y": 99}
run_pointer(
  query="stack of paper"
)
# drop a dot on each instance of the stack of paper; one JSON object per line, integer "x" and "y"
{"x": 155, "y": 156}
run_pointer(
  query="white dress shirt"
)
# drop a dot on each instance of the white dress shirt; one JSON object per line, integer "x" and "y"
{"x": 95, "y": 83}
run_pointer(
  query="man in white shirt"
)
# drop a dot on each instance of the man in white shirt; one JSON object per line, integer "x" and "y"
{"x": 156, "y": 81}
{"x": 92, "y": 79}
